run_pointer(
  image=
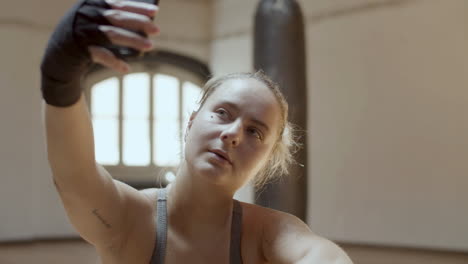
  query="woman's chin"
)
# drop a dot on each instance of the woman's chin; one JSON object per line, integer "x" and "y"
{"x": 212, "y": 173}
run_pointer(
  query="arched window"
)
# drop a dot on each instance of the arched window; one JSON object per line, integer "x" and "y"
{"x": 139, "y": 119}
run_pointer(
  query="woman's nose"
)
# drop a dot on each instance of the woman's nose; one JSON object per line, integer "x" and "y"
{"x": 232, "y": 134}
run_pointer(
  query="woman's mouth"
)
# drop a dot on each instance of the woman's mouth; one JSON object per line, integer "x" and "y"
{"x": 221, "y": 156}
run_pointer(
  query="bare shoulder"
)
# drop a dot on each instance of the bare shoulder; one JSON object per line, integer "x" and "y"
{"x": 150, "y": 194}
{"x": 273, "y": 221}
{"x": 287, "y": 239}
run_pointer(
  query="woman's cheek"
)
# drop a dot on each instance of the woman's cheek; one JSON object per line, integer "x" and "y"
{"x": 262, "y": 154}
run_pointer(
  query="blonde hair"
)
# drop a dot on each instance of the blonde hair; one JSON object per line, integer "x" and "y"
{"x": 285, "y": 146}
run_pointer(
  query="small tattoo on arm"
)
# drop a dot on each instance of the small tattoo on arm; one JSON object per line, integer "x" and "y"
{"x": 103, "y": 221}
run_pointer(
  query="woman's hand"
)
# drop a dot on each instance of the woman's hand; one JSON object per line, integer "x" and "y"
{"x": 126, "y": 18}
{"x": 94, "y": 31}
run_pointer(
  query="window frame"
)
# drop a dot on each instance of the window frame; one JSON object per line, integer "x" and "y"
{"x": 160, "y": 62}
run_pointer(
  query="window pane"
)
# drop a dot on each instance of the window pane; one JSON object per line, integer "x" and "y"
{"x": 166, "y": 113}
{"x": 167, "y": 146}
{"x": 136, "y": 144}
{"x": 104, "y": 112}
{"x": 166, "y": 98}
{"x": 106, "y": 141}
{"x": 136, "y": 96}
{"x": 105, "y": 99}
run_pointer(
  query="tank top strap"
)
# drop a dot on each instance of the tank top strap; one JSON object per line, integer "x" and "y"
{"x": 236, "y": 234}
{"x": 161, "y": 228}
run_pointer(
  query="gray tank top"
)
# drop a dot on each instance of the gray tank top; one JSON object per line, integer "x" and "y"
{"x": 161, "y": 229}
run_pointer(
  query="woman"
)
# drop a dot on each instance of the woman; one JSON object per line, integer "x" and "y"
{"x": 238, "y": 134}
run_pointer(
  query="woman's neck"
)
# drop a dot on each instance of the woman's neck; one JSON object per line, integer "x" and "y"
{"x": 196, "y": 207}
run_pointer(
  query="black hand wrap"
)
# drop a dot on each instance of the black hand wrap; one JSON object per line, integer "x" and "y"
{"x": 67, "y": 58}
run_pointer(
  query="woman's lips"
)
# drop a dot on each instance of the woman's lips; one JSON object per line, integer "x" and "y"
{"x": 221, "y": 157}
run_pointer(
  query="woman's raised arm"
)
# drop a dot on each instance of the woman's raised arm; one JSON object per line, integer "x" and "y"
{"x": 94, "y": 202}
{"x": 98, "y": 206}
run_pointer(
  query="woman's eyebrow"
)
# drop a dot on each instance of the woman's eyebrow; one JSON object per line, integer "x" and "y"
{"x": 254, "y": 120}
{"x": 260, "y": 123}
{"x": 230, "y": 104}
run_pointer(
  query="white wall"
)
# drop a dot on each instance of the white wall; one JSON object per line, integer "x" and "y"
{"x": 388, "y": 125}
{"x": 21, "y": 153}
{"x": 387, "y": 115}
{"x": 29, "y": 205}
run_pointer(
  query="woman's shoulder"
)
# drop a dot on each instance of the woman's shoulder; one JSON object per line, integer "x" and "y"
{"x": 149, "y": 193}
{"x": 272, "y": 223}
{"x": 269, "y": 215}
{"x": 286, "y": 237}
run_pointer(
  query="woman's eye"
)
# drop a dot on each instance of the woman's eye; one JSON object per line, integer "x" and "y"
{"x": 255, "y": 132}
{"x": 221, "y": 112}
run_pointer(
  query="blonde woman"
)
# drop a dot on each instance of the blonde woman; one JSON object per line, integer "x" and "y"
{"x": 239, "y": 134}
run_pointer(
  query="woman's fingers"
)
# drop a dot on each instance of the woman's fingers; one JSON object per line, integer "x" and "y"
{"x": 107, "y": 58}
{"x": 134, "y": 7}
{"x": 131, "y": 24}
{"x": 131, "y": 21}
{"x": 126, "y": 18}
{"x": 122, "y": 37}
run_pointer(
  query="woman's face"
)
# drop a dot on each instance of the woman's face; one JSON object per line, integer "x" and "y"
{"x": 240, "y": 121}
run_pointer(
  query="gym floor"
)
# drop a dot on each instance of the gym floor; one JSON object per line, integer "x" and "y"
{"x": 79, "y": 252}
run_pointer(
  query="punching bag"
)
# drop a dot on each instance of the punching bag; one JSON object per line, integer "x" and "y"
{"x": 279, "y": 50}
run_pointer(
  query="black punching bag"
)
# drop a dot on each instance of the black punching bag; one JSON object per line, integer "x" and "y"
{"x": 279, "y": 50}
